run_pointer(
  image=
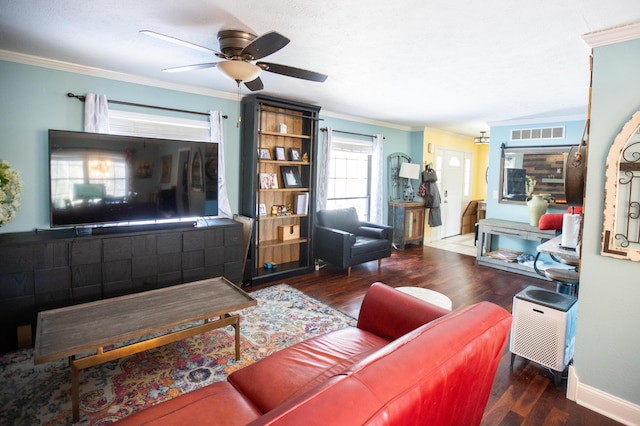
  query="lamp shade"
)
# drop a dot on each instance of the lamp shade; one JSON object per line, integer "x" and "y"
{"x": 239, "y": 70}
{"x": 409, "y": 171}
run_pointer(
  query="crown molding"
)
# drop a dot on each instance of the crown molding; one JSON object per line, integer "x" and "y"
{"x": 363, "y": 120}
{"x": 612, "y": 35}
{"x": 37, "y": 61}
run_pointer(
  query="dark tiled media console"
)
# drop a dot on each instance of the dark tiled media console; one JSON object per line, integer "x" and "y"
{"x": 51, "y": 269}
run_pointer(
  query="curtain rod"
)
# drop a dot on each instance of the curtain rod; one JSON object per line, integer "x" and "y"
{"x": 82, "y": 98}
{"x": 324, "y": 129}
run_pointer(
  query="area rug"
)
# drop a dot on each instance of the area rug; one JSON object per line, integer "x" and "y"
{"x": 41, "y": 394}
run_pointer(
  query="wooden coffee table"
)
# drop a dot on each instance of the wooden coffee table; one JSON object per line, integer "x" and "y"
{"x": 196, "y": 307}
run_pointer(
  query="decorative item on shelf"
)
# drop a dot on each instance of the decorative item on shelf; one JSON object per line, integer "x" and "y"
{"x": 262, "y": 210}
{"x": 302, "y": 203}
{"x": 291, "y": 177}
{"x": 529, "y": 183}
{"x": 10, "y": 190}
{"x": 409, "y": 171}
{"x": 270, "y": 265}
{"x": 305, "y": 157}
{"x": 282, "y": 128}
{"x": 537, "y": 206}
{"x": 264, "y": 154}
{"x": 281, "y": 210}
{"x": 279, "y": 153}
{"x": 268, "y": 181}
{"x": 288, "y": 232}
{"x": 294, "y": 154}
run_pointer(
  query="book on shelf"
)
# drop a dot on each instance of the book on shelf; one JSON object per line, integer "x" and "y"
{"x": 302, "y": 203}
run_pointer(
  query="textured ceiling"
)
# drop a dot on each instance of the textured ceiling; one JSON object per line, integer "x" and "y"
{"x": 453, "y": 65}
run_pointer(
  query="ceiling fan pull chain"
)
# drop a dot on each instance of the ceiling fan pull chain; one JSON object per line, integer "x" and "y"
{"x": 239, "y": 106}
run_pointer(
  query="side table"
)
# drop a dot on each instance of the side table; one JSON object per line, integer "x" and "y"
{"x": 427, "y": 295}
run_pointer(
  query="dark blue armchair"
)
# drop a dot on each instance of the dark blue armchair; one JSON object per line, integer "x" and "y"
{"x": 343, "y": 240}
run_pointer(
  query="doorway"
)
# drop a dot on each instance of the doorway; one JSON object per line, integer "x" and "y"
{"x": 453, "y": 168}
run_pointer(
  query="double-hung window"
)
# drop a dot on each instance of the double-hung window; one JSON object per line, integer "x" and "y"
{"x": 349, "y": 177}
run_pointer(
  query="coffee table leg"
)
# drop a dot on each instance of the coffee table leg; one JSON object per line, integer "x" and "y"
{"x": 75, "y": 392}
{"x": 237, "y": 327}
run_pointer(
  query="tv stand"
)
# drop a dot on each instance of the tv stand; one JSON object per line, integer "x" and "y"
{"x": 55, "y": 268}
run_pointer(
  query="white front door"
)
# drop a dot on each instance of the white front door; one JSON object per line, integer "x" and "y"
{"x": 454, "y": 172}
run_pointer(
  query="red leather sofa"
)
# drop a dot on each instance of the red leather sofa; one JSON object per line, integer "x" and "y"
{"x": 407, "y": 362}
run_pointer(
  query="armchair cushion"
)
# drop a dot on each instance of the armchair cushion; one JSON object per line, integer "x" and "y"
{"x": 371, "y": 232}
{"x": 344, "y": 219}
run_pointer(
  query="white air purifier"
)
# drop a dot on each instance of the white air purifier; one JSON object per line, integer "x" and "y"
{"x": 544, "y": 328}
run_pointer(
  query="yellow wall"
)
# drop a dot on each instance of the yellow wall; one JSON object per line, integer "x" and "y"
{"x": 441, "y": 139}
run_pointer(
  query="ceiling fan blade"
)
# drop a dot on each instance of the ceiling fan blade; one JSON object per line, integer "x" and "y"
{"x": 292, "y": 72}
{"x": 191, "y": 67}
{"x": 254, "y": 85}
{"x": 178, "y": 41}
{"x": 265, "y": 45}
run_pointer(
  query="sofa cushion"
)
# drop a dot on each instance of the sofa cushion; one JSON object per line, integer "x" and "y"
{"x": 292, "y": 371}
{"x": 218, "y": 403}
{"x": 439, "y": 374}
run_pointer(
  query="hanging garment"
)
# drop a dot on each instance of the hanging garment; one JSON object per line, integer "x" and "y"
{"x": 435, "y": 216}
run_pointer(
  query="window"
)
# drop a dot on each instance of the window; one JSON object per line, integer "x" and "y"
{"x": 350, "y": 176}
{"x": 157, "y": 126}
{"x": 88, "y": 176}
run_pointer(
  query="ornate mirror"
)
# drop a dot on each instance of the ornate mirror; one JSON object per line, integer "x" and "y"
{"x": 621, "y": 223}
{"x": 394, "y": 161}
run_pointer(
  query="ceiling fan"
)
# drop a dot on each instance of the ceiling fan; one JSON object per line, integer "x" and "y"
{"x": 239, "y": 50}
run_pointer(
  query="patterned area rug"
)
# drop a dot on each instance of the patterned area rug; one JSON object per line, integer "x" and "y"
{"x": 41, "y": 394}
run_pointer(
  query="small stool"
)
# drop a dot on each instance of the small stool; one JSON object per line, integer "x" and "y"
{"x": 566, "y": 280}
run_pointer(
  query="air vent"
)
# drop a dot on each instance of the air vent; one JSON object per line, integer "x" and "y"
{"x": 538, "y": 133}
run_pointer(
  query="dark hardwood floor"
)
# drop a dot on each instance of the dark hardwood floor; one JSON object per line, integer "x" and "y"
{"x": 522, "y": 395}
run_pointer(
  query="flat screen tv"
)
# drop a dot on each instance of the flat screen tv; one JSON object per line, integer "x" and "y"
{"x": 98, "y": 179}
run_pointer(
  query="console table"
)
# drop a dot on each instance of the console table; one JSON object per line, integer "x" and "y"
{"x": 407, "y": 220}
{"x": 487, "y": 228}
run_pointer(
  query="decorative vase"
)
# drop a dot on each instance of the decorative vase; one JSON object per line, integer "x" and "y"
{"x": 537, "y": 205}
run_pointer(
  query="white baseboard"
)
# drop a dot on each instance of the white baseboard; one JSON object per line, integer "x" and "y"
{"x": 608, "y": 405}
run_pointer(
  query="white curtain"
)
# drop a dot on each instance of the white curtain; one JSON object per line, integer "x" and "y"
{"x": 323, "y": 179}
{"x": 377, "y": 168}
{"x": 96, "y": 113}
{"x": 215, "y": 121}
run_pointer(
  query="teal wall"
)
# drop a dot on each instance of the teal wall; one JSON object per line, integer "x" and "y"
{"x": 33, "y": 100}
{"x": 519, "y": 212}
{"x": 607, "y": 343}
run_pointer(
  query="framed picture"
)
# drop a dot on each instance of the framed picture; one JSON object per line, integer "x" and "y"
{"x": 262, "y": 210}
{"x": 279, "y": 153}
{"x": 294, "y": 154}
{"x": 268, "y": 181}
{"x": 290, "y": 177}
{"x": 165, "y": 169}
{"x": 264, "y": 154}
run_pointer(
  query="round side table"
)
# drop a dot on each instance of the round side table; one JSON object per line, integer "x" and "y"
{"x": 427, "y": 295}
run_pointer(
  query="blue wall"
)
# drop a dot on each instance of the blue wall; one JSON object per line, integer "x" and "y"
{"x": 33, "y": 100}
{"x": 607, "y": 344}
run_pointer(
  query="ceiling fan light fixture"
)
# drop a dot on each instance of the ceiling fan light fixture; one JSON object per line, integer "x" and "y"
{"x": 238, "y": 70}
{"x": 482, "y": 139}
